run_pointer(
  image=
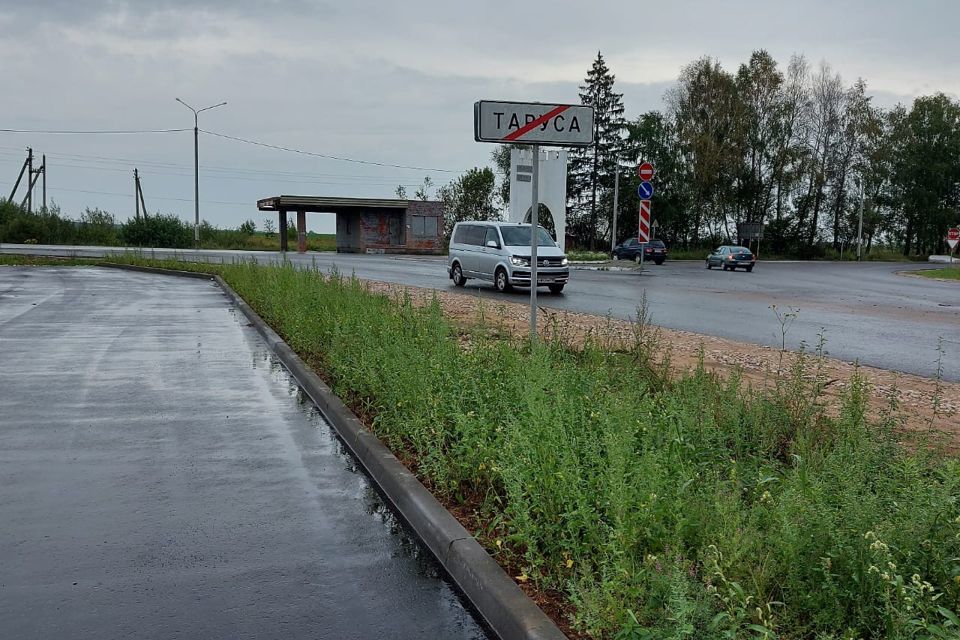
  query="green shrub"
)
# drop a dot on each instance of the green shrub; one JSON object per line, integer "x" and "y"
{"x": 157, "y": 230}
{"x": 46, "y": 226}
{"x": 97, "y": 227}
{"x": 587, "y": 256}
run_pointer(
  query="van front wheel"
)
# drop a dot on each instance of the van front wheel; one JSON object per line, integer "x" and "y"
{"x": 458, "y": 278}
{"x": 500, "y": 281}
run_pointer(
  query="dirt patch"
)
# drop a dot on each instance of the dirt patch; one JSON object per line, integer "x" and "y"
{"x": 925, "y": 404}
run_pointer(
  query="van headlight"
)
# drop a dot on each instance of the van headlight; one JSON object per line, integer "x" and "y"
{"x": 564, "y": 262}
{"x": 518, "y": 261}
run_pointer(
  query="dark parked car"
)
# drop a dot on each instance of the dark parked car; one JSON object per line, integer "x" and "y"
{"x": 729, "y": 257}
{"x": 630, "y": 249}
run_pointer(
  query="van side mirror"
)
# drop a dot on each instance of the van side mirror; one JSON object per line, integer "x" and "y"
{"x": 493, "y": 244}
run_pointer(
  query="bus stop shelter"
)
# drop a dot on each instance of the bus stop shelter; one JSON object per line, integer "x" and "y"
{"x": 365, "y": 225}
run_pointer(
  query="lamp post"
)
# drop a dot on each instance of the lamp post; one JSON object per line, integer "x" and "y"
{"x": 616, "y": 204}
{"x": 196, "y": 168}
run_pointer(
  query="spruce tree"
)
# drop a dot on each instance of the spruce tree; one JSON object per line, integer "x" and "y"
{"x": 591, "y": 168}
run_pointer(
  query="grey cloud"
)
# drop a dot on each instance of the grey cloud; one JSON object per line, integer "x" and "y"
{"x": 391, "y": 81}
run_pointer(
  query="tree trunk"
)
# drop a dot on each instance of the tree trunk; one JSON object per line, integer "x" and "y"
{"x": 817, "y": 201}
{"x": 909, "y": 237}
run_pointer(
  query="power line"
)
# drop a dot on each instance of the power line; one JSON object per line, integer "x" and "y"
{"x": 127, "y": 195}
{"x": 323, "y": 155}
{"x": 251, "y": 177}
{"x": 92, "y": 132}
{"x": 205, "y": 168}
{"x": 228, "y": 137}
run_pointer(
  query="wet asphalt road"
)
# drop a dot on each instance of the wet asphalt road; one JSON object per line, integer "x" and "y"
{"x": 866, "y": 312}
{"x": 162, "y": 477}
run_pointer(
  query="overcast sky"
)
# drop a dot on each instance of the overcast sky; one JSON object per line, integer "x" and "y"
{"x": 390, "y": 82}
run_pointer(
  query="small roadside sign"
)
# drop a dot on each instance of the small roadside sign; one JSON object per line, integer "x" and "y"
{"x": 643, "y": 231}
{"x": 566, "y": 125}
{"x": 646, "y": 171}
{"x": 645, "y": 191}
{"x": 953, "y": 237}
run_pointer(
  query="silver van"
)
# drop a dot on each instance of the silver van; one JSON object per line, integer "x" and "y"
{"x": 500, "y": 253}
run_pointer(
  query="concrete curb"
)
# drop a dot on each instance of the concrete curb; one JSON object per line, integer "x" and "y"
{"x": 493, "y": 594}
{"x": 199, "y": 275}
{"x": 588, "y": 268}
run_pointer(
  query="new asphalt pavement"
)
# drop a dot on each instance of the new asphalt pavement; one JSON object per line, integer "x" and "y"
{"x": 866, "y": 312}
{"x": 161, "y": 476}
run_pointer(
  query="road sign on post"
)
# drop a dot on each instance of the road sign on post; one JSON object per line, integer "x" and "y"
{"x": 644, "y": 229}
{"x": 953, "y": 237}
{"x": 536, "y": 124}
{"x": 646, "y": 171}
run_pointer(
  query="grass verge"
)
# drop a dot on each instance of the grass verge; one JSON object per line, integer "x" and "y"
{"x": 655, "y": 506}
{"x": 588, "y": 256}
{"x": 944, "y": 273}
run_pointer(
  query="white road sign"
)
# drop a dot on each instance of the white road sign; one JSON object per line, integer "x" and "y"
{"x": 565, "y": 125}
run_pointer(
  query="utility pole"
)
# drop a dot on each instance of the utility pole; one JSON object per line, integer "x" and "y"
{"x": 43, "y": 169}
{"x": 860, "y": 223}
{"x": 16, "y": 185}
{"x": 33, "y": 175}
{"x": 196, "y": 168}
{"x": 534, "y": 241}
{"x": 616, "y": 203}
{"x": 136, "y": 194}
{"x": 143, "y": 205}
{"x": 29, "y": 180}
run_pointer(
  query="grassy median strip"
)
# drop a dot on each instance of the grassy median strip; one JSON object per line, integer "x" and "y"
{"x": 945, "y": 273}
{"x": 656, "y": 506}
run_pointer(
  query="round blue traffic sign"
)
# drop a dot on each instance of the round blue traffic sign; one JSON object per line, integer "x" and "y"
{"x": 645, "y": 191}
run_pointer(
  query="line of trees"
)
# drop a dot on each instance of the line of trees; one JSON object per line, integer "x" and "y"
{"x": 793, "y": 147}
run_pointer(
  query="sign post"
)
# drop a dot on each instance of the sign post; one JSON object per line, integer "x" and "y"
{"x": 953, "y": 238}
{"x": 645, "y": 191}
{"x": 536, "y": 124}
{"x": 616, "y": 204}
{"x": 643, "y": 230}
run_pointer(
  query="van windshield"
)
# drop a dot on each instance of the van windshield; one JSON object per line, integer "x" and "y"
{"x": 519, "y": 236}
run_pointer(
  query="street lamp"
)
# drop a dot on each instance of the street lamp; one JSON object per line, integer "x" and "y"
{"x": 196, "y": 169}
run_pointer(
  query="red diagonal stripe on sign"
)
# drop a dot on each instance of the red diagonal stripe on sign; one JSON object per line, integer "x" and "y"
{"x": 644, "y": 226}
{"x": 536, "y": 123}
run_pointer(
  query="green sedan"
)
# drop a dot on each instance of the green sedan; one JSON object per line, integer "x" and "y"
{"x": 728, "y": 257}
